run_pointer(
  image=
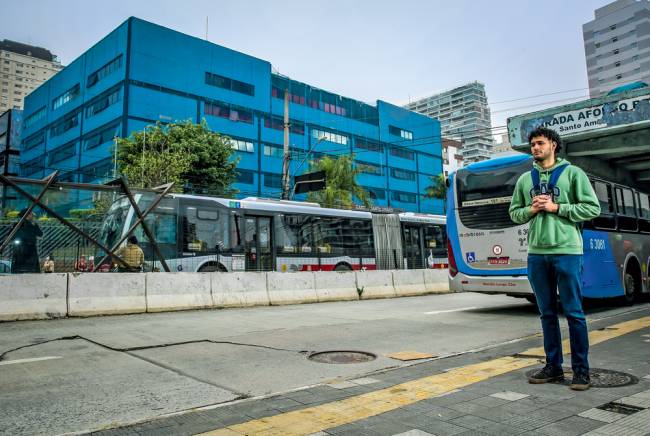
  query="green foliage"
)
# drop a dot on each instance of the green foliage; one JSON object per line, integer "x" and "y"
{"x": 184, "y": 153}
{"x": 437, "y": 189}
{"x": 341, "y": 184}
{"x": 81, "y": 213}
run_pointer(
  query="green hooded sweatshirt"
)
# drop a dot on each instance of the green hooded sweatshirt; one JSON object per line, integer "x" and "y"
{"x": 556, "y": 233}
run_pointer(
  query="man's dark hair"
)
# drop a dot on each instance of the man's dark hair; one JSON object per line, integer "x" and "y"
{"x": 132, "y": 239}
{"x": 549, "y": 134}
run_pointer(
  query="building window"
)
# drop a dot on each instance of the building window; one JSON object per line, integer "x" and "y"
{"x": 376, "y": 194}
{"x": 99, "y": 171}
{"x": 273, "y": 150}
{"x": 229, "y": 84}
{"x": 102, "y": 103}
{"x": 104, "y": 71}
{"x": 229, "y": 112}
{"x": 273, "y": 180}
{"x": 34, "y": 141}
{"x": 369, "y": 168}
{"x": 241, "y": 145}
{"x": 245, "y": 176}
{"x": 402, "y": 174}
{"x": 35, "y": 117}
{"x": 64, "y": 125}
{"x": 317, "y": 99}
{"x": 403, "y": 197}
{"x": 329, "y": 136}
{"x": 33, "y": 166}
{"x": 67, "y": 96}
{"x": 404, "y": 134}
{"x": 62, "y": 153}
{"x": 101, "y": 137}
{"x": 368, "y": 145}
{"x": 277, "y": 123}
{"x": 403, "y": 153}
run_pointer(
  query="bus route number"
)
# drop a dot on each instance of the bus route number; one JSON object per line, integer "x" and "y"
{"x": 596, "y": 244}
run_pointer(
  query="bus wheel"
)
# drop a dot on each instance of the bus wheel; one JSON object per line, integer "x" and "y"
{"x": 630, "y": 288}
{"x": 212, "y": 267}
{"x": 343, "y": 267}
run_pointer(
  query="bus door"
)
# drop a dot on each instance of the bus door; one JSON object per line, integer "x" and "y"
{"x": 413, "y": 249}
{"x": 257, "y": 238}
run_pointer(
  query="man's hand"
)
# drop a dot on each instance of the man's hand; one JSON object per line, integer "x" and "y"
{"x": 544, "y": 203}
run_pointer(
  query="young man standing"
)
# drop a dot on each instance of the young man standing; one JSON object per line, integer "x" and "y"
{"x": 555, "y": 197}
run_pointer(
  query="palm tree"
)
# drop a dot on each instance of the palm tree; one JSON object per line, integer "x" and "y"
{"x": 340, "y": 185}
{"x": 438, "y": 190}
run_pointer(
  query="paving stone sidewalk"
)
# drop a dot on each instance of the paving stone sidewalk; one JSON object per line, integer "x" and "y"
{"x": 503, "y": 405}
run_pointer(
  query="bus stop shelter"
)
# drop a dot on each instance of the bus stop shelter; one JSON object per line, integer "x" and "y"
{"x": 608, "y": 136}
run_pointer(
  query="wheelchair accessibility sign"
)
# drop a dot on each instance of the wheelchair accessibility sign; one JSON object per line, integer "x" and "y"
{"x": 470, "y": 256}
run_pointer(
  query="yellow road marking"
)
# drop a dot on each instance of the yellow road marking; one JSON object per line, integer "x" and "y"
{"x": 336, "y": 413}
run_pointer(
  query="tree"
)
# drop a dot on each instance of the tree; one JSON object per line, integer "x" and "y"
{"x": 438, "y": 189}
{"x": 185, "y": 153}
{"x": 341, "y": 184}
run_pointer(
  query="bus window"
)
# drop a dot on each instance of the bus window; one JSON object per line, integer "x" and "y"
{"x": 202, "y": 229}
{"x": 604, "y": 194}
{"x": 625, "y": 209}
{"x": 361, "y": 239}
{"x": 644, "y": 206}
{"x": 644, "y": 212}
{"x": 435, "y": 240}
{"x": 293, "y": 234}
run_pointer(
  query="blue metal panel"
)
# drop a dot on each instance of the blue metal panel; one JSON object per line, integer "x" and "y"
{"x": 180, "y": 61}
{"x": 160, "y": 106}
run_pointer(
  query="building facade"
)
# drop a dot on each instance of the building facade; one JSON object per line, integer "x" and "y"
{"x": 617, "y": 45}
{"x": 23, "y": 68}
{"x": 10, "y": 129}
{"x": 452, "y": 158}
{"x": 142, "y": 73}
{"x": 464, "y": 116}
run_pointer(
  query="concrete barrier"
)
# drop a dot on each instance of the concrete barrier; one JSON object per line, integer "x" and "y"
{"x": 177, "y": 291}
{"x": 436, "y": 280}
{"x": 335, "y": 286}
{"x": 106, "y": 293}
{"x": 291, "y": 288}
{"x": 33, "y": 296}
{"x": 375, "y": 284}
{"x": 409, "y": 282}
{"x": 239, "y": 289}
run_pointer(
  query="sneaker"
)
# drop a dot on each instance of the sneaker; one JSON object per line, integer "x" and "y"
{"x": 580, "y": 381}
{"x": 549, "y": 373}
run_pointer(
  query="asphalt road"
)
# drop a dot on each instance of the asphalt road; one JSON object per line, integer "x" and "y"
{"x": 75, "y": 375}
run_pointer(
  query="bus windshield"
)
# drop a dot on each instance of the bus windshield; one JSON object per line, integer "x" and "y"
{"x": 489, "y": 187}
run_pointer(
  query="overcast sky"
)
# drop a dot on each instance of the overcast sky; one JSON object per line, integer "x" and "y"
{"x": 365, "y": 49}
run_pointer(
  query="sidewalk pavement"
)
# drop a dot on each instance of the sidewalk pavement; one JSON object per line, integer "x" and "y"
{"x": 478, "y": 393}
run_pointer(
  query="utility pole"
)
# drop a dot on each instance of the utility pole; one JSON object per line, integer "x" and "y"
{"x": 287, "y": 156}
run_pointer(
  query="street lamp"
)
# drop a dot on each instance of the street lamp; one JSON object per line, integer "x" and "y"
{"x": 311, "y": 148}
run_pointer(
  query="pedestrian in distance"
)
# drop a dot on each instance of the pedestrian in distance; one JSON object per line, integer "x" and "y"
{"x": 25, "y": 255}
{"x": 48, "y": 265}
{"x": 555, "y": 198}
{"x": 81, "y": 265}
{"x": 132, "y": 255}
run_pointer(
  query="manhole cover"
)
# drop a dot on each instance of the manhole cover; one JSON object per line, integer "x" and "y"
{"x": 342, "y": 357}
{"x": 600, "y": 378}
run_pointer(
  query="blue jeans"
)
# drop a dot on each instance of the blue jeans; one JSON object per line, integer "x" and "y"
{"x": 546, "y": 273}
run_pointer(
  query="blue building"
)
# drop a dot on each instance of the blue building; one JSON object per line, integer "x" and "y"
{"x": 142, "y": 73}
